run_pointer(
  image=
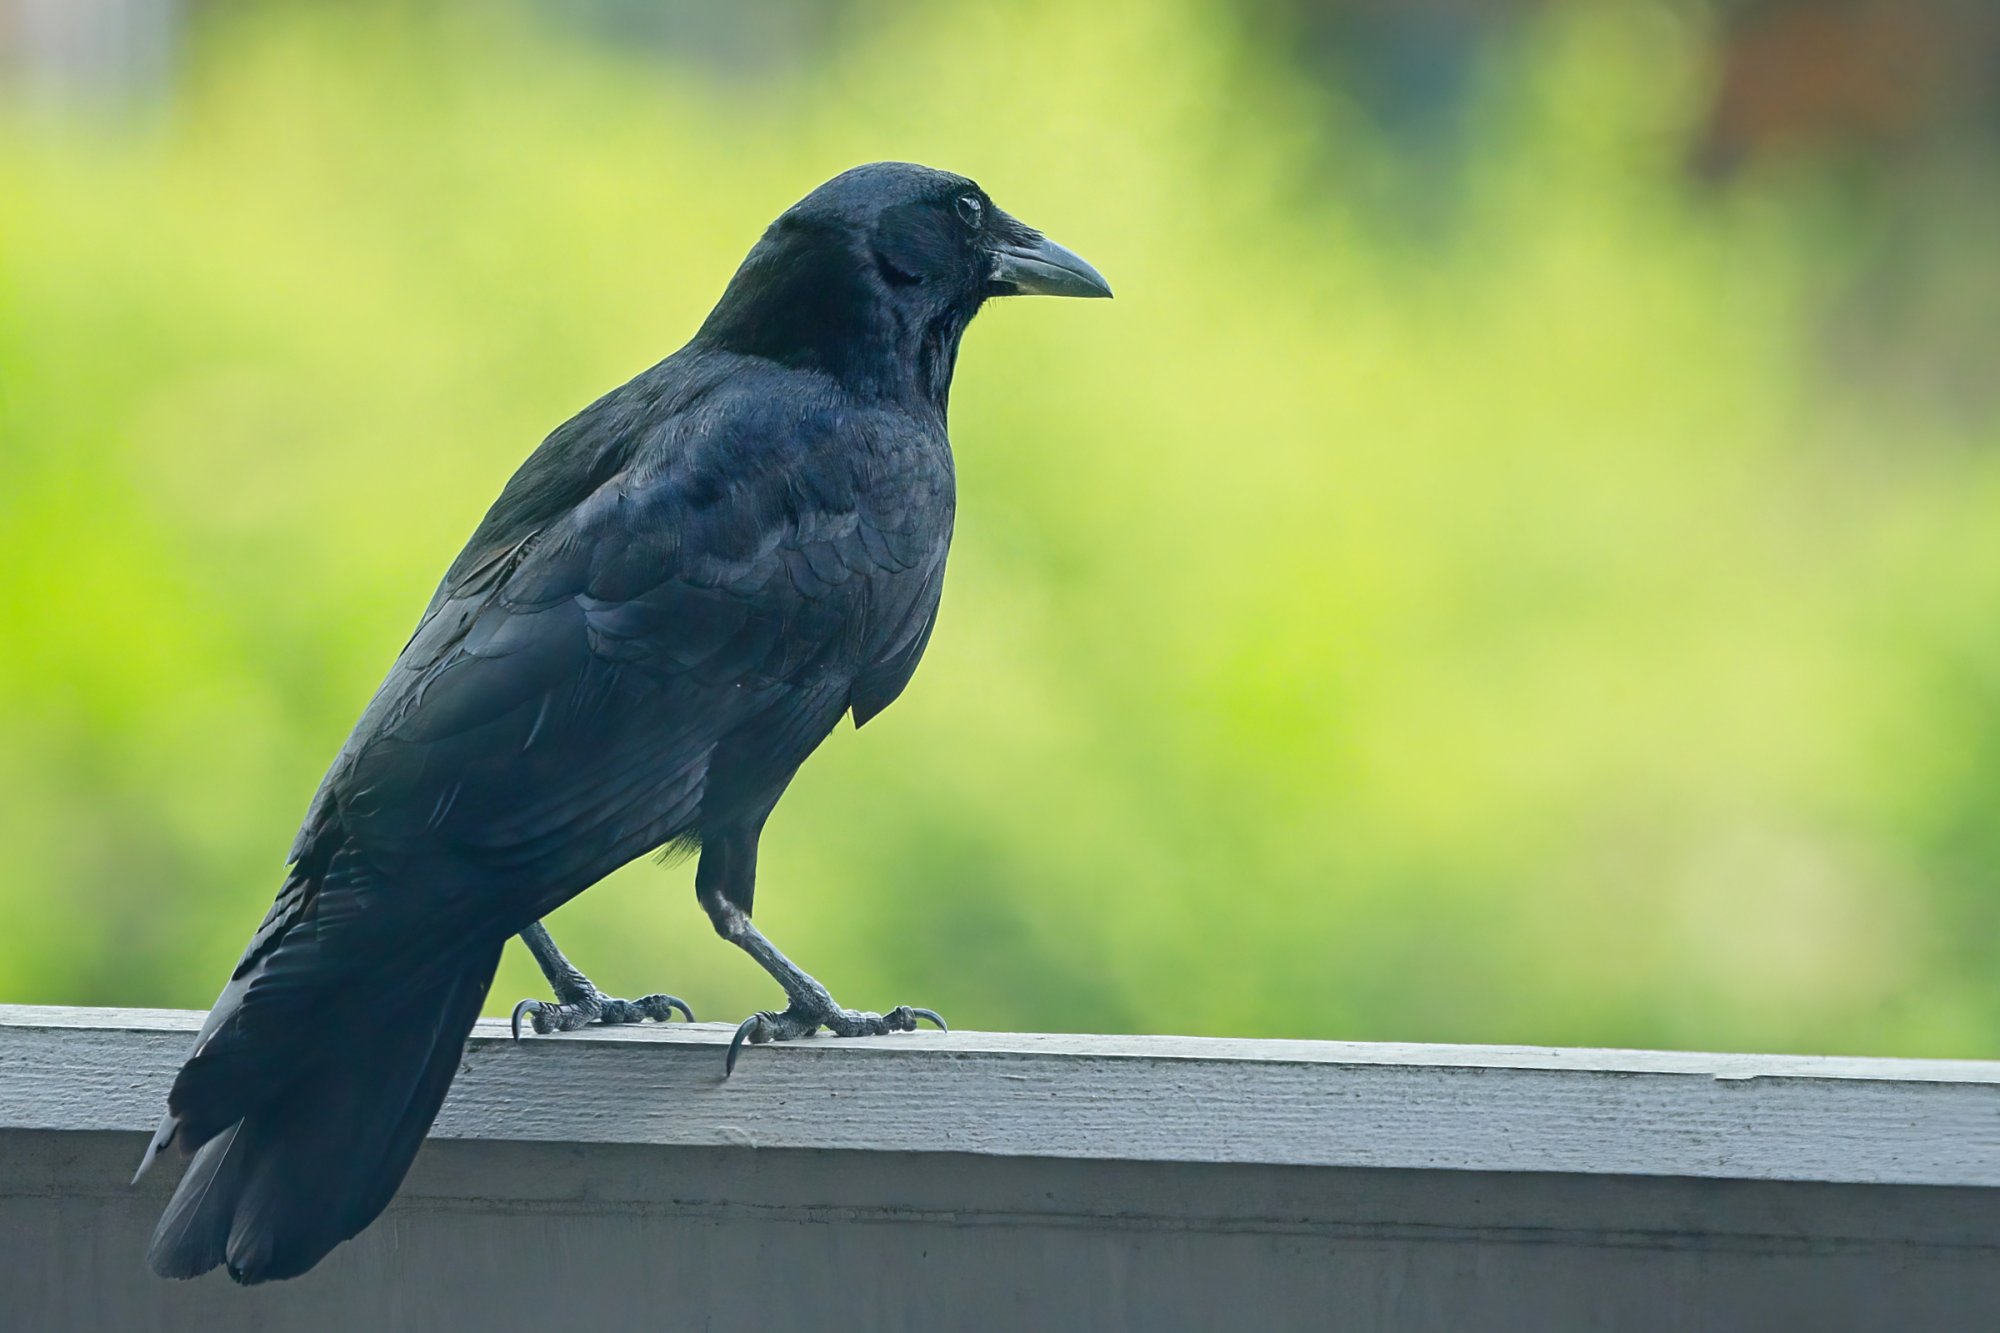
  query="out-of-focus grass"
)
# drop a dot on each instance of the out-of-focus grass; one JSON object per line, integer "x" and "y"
{"x": 1514, "y": 635}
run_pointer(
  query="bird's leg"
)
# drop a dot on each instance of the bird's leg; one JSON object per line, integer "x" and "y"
{"x": 577, "y": 1001}
{"x": 811, "y": 1006}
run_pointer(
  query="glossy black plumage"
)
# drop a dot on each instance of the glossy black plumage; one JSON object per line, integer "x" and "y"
{"x": 671, "y": 604}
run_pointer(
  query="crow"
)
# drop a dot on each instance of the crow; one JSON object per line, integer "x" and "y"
{"x": 672, "y": 603}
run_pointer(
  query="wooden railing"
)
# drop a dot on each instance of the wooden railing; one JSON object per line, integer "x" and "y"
{"x": 611, "y": 1179}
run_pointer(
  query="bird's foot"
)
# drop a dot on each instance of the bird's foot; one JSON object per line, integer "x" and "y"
{"x": 583, "y": 1007}
{"x": 806, "y": 1016}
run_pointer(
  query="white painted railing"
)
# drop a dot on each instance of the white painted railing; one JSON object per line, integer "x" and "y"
{"x": 610, "y": 1179}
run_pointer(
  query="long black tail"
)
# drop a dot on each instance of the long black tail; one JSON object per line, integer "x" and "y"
{"x": 311, "y": 1166}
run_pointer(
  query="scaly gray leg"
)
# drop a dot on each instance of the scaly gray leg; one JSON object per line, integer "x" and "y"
{"x": 577, "y": 1001}
{"x": 811, "y": 1007}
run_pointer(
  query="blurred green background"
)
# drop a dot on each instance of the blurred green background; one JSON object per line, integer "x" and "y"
{"x": 1519, "y": 561}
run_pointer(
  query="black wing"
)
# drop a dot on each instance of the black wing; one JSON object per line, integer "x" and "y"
{"x": 749, "y": 559}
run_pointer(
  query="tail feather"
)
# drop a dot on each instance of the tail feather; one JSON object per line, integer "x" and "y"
{"x": 194, "y": 1231}
{"x": 311, "y": 1166}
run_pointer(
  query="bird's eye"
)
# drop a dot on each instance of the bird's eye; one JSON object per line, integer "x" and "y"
{"x": 970, "y": 210}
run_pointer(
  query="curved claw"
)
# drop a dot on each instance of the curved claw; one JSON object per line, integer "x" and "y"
{"x": 524, "y": 1007}
{"x": 934, "y": 1016}
{"x": 743, "y": 1031}
{"x": 675, "y": 1002}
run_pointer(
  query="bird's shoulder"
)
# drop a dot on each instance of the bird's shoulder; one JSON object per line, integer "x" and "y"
{"x": 727, "y": 453}
{"x": 779, "y": 439}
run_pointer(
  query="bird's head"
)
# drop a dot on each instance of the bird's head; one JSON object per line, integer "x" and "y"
{"x": 874, "y": 276}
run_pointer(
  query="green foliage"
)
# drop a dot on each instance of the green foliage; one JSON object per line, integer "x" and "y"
{"x": 1512, "y": 633}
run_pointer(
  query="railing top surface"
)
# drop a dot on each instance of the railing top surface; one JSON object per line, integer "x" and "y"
{"x": 1126, "y": 1098}
{"x": 1071, "y": 1045}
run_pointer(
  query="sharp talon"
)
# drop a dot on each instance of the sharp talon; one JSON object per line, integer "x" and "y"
{"x": 743, "y": 1031}
{"x": 681, "y": 1005}
{"x": 524, "y": 1007}
{"x": 934, "y": 1017}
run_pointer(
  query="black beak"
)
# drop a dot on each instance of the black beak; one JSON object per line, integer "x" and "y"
{"x": 1040, "y": 267}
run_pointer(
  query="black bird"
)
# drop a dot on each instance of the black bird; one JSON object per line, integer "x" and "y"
{"x": 671, "y": 604}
